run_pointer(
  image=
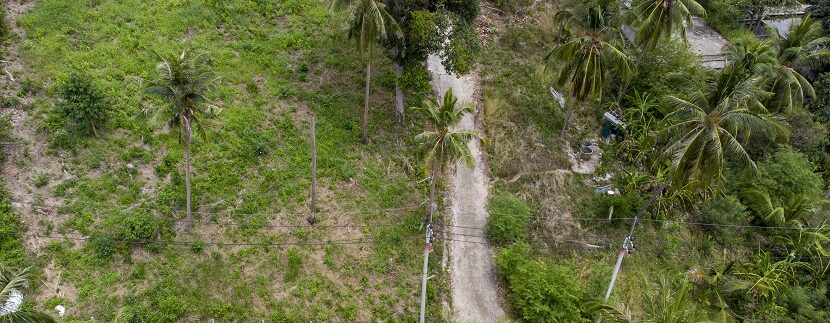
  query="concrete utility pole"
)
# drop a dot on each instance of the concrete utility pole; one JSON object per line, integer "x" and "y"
{"x": 313, "y": 218}
{"x": 428, "y": 243}
{"x": 628, "y": 243}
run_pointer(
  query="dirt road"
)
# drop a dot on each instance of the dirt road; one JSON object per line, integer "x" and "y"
{"x": 474, "y": 288}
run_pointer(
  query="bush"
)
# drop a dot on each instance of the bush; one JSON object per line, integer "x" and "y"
{"x": 466, "y": 9}
{"x": 725, "y": 210}
{"x": 539, "y": 291}
{"x": 820, "y": 105}
{"x": 806, "y": 135}
{"x": 654, "y": 76}
{"x": 786, "y": 174}
{"x": 294, "y": 260}
{"x": 625, "y": 205}
{"x": 83, "y": 103}
{"x": 460, "y": 54}
{"x": 508, "y": 221}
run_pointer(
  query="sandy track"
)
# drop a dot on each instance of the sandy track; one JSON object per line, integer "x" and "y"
{"x": 474, "y": 285}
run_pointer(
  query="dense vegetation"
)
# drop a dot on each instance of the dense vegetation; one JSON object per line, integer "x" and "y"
{"x": 739, "y": 231}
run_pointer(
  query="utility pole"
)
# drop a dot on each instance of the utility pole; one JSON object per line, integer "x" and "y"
{"x": 313, "y": 218}
{"x": 628, "y": 244}
{"x": 428, "y": 244}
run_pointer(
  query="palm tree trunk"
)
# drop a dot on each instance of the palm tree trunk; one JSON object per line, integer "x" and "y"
{"x": 399, "y": 110}
{"x": 94, "y": 131}
{"x": 189, "y": 219}
{"x": 431, "y": 194}
{"x": 366, "y": 101}
{"x": 566, "y": 120}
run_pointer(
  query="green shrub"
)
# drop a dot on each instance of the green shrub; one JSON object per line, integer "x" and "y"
{"x": 83, "y": 103}
{"x": 658, "y": 65}
{"x": 725, "y": 210}
{"x": 508, "y": 221}
{"x": 820, "y": 105}
{"x": 625, "y": 205}
{"x": 806, "y": 135}
{"x": 4, "y": 28}
{"x": 787, "y": 174}
{"x": 466, "y": 9}
{"x": 539, "y": 291}
{"x": 41, "y": 180}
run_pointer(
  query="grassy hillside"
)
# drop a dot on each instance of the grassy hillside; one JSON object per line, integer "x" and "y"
{"x": 251, "y": 254}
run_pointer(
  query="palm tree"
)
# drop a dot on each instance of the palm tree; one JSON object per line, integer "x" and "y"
{"x": 804, "y": 47}
{"x": 661, "y": 18}
{"x": 705, "y": 127}
{"x": 796, "y": 212}
{"x": 11, "y": 284}
{"x": 184, "y": 85}
{"x": 369, "y": 22}
{"x": 594, "y": 55}
{"x": 441, "y": 144}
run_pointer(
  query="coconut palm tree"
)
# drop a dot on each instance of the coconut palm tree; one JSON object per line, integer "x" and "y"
{"x": 803, "y": 47}
{"x": 369, "y": 22}
{"x": 705, "y": 126}
{"x": 440, "y": 144}
{"x": 591, "y": 54}
{"x": 659, "y": 19}
{"x": 796, "y": 212}
{"x": 11, "y": 284}
{"x": 184, "y": 85}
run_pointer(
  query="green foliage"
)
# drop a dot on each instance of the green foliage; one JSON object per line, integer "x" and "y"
{"x": 820, "y": 9}
{"x": 41, "y": 180}
{"x": 808, "y": 136}
{"x": 83, "y": 104}
{"x": 294, "y": 260}
{"x": 805, "y": 304}
{"x": 655, "y": 71}
{"x": 787, "y": 174}
{"x": 820, "y": 105}
{"x": 625, "y": 205}
{"x": 13, "y": 254}
{"x": 722, "y": 15}
{"x": 461, "y": 52}
{"x": 539, "y": 291}
{"x": 509, "y": 219}
{"x": 726, "y": 210}
{"x": 466, "y": 9}
{"x": 4, "y": 28}
{"x": 421, "y": 34}
{"x": 415, "y": 80}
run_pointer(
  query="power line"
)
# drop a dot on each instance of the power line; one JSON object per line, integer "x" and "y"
{"x": 200, "y": 242}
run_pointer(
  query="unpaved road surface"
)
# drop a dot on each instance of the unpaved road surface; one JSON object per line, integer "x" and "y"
{"x": 474, "y": 288}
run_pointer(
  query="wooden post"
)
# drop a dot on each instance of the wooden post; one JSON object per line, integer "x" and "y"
{"x": 313, "y": 218}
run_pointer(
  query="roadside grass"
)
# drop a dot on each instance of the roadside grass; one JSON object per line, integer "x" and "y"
{"x": 279, "y": 62}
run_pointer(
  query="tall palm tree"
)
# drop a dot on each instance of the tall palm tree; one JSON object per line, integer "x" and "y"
{"x": 659, "y": 19}
{"x": 803, "y": 47}
{"x": 11, "y": 284}
{"x": 594, "y": 55}
{"x": 441, "y": 144}
{"x": 184, "y": 84}
{"x": 369, "y": 22}
{"x": 706, "y": 125}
